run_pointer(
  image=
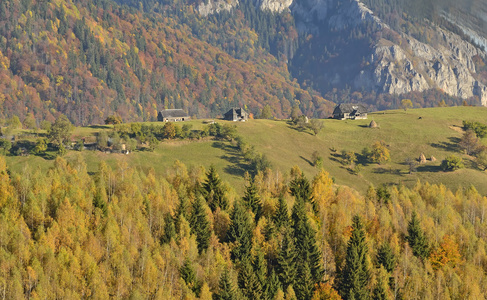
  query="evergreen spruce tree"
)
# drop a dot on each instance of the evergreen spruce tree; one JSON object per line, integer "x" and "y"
{"x": 355, "y": 274}
{"x": 251, "y": 199}
{"x": 181, "y": 211}
{"x": 213, "y": 191}
{"x": 386, "y": 258}
{"x": 305, "y": 283}
{"x": 200, "y": 225}
{"x": 226, "y": 290}
{"x": 286, "y": 261}
{"x": 240, "y": 233}
{"x": 416, "y": 239}
{"x": 188, "y": 275}
{"x": 248, "y": 282}
{"x": 305, "y": 238}
{"x": 272, "y": 286}
{"x": 259, "y": 264}
{"x": 169, "y": 229}
{"x": 300, "y": 188}
{"x": 281, "y": 216}
{"x": 380, "y": 289}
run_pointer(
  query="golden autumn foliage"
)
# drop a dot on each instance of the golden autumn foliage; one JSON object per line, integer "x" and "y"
{"x": 446, "y": 254}
{"x": 126, "y": 233}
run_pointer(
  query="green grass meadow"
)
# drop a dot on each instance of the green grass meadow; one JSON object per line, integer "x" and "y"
{"x": 432, "y": 131}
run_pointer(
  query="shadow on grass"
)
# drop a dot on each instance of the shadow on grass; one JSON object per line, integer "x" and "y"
{"x": 237, "y": 165}
{"x": 306, "y": 160}
{"x": 428, "y": 168}
{"x": 290, "y": 125}
{"x": 385, "y": 170}
{"x": 99, "y": 127}
{"x": 448, "y": 146}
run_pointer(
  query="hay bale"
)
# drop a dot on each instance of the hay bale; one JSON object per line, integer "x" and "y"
{"x": 433, "y": 158}
{"x": 422, "y": 159}
{"x": 373, "y": 124}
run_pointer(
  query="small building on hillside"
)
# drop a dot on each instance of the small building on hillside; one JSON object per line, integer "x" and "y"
{"x": 172, "y": 115}
{"x": 348, "y": 111}
{"x": 236, "y": 114}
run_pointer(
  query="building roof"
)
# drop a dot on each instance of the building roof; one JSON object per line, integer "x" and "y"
{"x": 237, "y": 111}
{"x": 173, "y": 113}
{"x": 348, "y": 108}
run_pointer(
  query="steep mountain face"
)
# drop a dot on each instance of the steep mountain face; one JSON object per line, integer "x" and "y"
{"x": 415, "y": 66}
{"x": 392, "y": 61}
{"x": 92, "y": 59}
{"x": 346, "y": 45}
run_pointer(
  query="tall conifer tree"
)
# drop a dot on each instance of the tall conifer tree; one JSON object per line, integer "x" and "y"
{"x": 286, "y": 261}
{"x": 281, "y": 216}
{"x": 188, "y": 275}
{"x": 248, "y": 282}
{"x": 305, "y": 283}
{"x": 240, "y": 233}
{"x": 355, "y": 275}
{"x": 226, "y": 287}
{"x": 200, "y": 225}
{"x": 416, "y": 239}
{"x": 305, "y": 238}
{"x": 386, "y": 258}
{"x": 251, "y": 199}
{"x": 213, "y": 191}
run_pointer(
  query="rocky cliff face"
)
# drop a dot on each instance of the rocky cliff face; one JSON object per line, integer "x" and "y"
{"x": 394, "y": 66}
{"x": 416, "y": 66}
{"x": 277, "y": 6}
{"x": 397, "y": 67}
{"x": 216, "y": 6}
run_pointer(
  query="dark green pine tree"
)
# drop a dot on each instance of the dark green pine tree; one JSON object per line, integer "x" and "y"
{"x": 281, "y": 216}
{"x": 200, "y": 225}
{"x": 259, "y": 264}
{"x": 380, "y": 290}
{"x": 213, "y": 191}
{"x": 188, "y": 275}
{"x": 248, "y": 282}
{"x": 286, "y": 262}
{"x": 305, "y": 283}
{"x": 226, "y": 289}
{"x": 416, "y": 239}
{"x": 251, "y": 199}
{"x": 272, "y": 286}
{"x": 169, "y": 229}
{"x": 181, "y": 212}
{"x": 305, "y": 238}
{"x": 355, "y": 274}
{"x": 240, "y": 233}
{"x": 386, "y": 257}
{"x": 300, "y": 188}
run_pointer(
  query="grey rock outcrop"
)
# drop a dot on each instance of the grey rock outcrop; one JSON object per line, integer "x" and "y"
{"x": 216, "y": 6}
{"x": 394, "y": 66}
{"x": 275, "y": 5}
{"x": 416, "y": 66}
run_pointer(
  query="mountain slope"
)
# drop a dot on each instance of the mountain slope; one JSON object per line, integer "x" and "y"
{"x": 92, "y": 59}
{"x": 350, "y": 46}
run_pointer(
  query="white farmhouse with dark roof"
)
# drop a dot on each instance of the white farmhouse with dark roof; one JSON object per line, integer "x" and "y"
{"x": 172, "y": 115}
{"x": 348, "y": 111}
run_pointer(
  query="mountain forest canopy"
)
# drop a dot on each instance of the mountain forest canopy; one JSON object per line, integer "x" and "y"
{"x": 92, "y": 59}
{"x": 130, "y": 234}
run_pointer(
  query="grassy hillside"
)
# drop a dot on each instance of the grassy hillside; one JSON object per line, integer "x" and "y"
{"x": 432, "y": 131}
{"x": 435, "y": 134}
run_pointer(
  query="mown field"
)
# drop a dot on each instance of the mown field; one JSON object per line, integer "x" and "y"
{"x": 432, "y": 131}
